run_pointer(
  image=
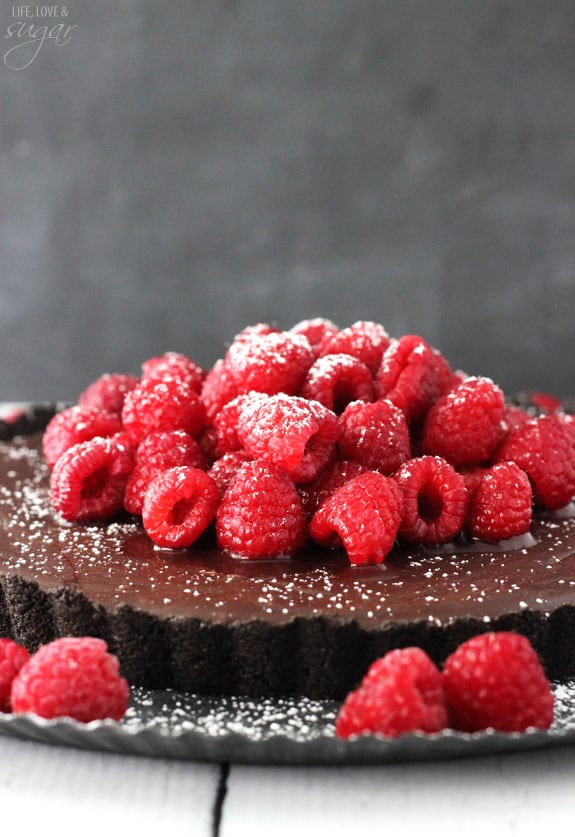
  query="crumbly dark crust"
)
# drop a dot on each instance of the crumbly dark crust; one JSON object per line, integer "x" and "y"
{"x": 317, "y": 657}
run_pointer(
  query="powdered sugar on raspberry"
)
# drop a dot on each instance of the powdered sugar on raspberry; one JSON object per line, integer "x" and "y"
{"x": 128, "y": 570}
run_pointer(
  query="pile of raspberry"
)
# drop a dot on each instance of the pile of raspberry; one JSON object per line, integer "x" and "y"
{"x": 492, "y": 681}
{"x": 345, "y": 437}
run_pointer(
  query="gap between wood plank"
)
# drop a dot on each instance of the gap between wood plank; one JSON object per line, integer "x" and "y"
{"x": 221, "y": 792}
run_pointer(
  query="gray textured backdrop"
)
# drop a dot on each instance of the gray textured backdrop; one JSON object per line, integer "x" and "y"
{"x": 177, "y": 170}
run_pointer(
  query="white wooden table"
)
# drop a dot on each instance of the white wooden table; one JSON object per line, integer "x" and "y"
{"x": 62, "y": 791}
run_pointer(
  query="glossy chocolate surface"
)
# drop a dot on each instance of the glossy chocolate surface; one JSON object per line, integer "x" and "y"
{"x": 116, "y": 564}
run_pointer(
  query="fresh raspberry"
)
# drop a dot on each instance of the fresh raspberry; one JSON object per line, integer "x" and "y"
{"x": 270, "y": 363}
{"x": 500, "y": 505}
{"x": 374, "y": 434}
{"x": 412, "y": 660}
{"x": 162, "y": 405}
{"x": 363, "y": 516}
{"x": 546, "y": 402}
{"x": 159, "y": 452}
{"x": 125, "y": 441}
{"x": 363, "y": 340}
{"x": 74, "y": 677}
{"x": 261, "y": 514}
{"x": 316, "y": 330}
{"x": 335, "y": 380}
{"x": 402, "y": 692}
{"x": 174, "y": 365}
{"x": 495, "y": 680}
{"x": 472, "y": 478}
{"x": 12, "y": 658}
{"x": 224, "y": 470}
{"x": 337, "y": 474}
{"x": 545, "y": 449}
{"x": 296, "y": 434}
{"x": 568, "y": 422}
{"x": 515, "y": 417}
{"x": 434, "y": 500}
{"x": 218, "y": 388}
{"x": 446, "y": 377}
{"x": 408, "y": 375}
{"x": 208, "y": 443}
{"x": 178, "y": 506}
{"x": 466, "y": 425}
{"x": 89, "y": 480}
{"x": 107, "y": 393}
{"x": 74, "y": 425}
{"x": 226, "y": 422}
{"x": 256, "y": 330}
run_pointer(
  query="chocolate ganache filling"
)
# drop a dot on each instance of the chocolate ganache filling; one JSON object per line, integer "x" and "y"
{"x": 320, "y": 609}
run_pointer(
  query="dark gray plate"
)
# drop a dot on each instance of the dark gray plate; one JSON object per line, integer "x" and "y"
{"x": 170, "y": 724}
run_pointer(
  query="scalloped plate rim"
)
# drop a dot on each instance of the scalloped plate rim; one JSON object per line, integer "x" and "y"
{"x": 321, "y": 748}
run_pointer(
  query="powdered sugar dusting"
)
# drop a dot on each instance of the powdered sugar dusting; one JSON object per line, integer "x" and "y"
{"x": 116, "y": 564}
{"x": 177, "y": 712}
{"x": 259, "y": 719}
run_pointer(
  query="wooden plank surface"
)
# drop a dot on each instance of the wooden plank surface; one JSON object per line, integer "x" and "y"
{"x": 516, "y": 794}
{"x": 70, "y": 792}
{"x": 67, "y": 792}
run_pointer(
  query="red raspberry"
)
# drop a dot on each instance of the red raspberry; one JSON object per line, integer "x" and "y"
{"x": 515, "y": 417}
{"x": 162, "y": 405}
{"x": 434, "y": 500}
{"x": 107, "y": 393}
{"x": 178, "y": 506}
{"x": 12, "y": 658}
{"x": 545, "y": 449}
{"x": 495, "y": 680}
{"x": 375, "y": 434}
{"x": 174, "y": 365}
{"x": 408, "y": 375}
{"x": 218, "y": 388}
{"x": 500, "y": 505}
{"x": 568, "y": 422}
{"x": 89, "y": 480}
{"x": 226, "y": 422}
{"x": 363, "y": 340}
{"x": 314, "y": 493}
{"x": 159, "y": 452}
{"x": 224, "y": 470}
{"x": 74, "y": 677}
{"x": 335, "y": 380}
{"x": 296, "y": 434}
{"x": 316, "y": 330}
{"x": 270, "y": 363}
{"x": 74, "y": 425}
{"x": 402, "y": 692}
{"x": 257, "y": 330}
{"x": 208, "y": 443}
{"x": 545, "y": 402}
{"x": 446, "y": 378}
{"x": 466, "y": 425}
{"x": 261, "y": 514}
{"x": 363, "y": 516}
{"x": 472, "y": 478}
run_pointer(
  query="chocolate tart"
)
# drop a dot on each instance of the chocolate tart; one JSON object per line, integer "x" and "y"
{"x": 200, "y": 621}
